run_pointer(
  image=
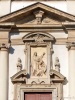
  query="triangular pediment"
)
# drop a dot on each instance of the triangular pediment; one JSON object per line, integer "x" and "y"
{"x": 38, "y": 13}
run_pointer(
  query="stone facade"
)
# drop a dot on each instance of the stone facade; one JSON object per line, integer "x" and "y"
{"x": 37, "y": 50}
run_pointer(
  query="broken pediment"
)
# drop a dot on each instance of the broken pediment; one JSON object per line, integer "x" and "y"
{"x": 19, "y": 77}
{"x": 56, "y": 76}
{"x": 38, "y": 13}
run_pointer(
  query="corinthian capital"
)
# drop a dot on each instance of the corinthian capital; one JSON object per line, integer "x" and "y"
{"x": 71, "y": 45}
{"x": 4, "y": 46}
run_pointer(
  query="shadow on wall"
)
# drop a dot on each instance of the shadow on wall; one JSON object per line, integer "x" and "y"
{"x": 16, "y": 32}
{"x": 11, "y": 50}
{"x": 12, "y": 33}
{"x": 65, "y": 82}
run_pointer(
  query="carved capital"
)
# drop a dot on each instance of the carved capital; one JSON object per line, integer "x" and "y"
{"x": 4, "y": 47}
{"x": 71, "y": 46}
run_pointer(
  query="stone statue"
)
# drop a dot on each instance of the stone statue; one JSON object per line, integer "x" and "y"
{"x": 57, "y": 64}
{"x": 19, "y": 65}
{"x": 38, "y": 65}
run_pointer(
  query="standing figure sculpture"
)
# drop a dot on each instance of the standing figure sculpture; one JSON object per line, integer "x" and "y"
{"x": 38, "y": 65}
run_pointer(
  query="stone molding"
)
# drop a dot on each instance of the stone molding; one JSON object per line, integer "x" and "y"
{"x": 19, "y": 77}
{"x": 67, "y": 21}
{"x": 4, "y": 47}
{"x": 71, "y": 45}
{"x": 59, "y": 77}
{"x": 20, "y": 83}
{"x": 44, "y": 36}
{"x": 34, "y": 6}
{"x": 61, "y": 41}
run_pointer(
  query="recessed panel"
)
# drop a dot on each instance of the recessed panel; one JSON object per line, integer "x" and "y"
{"x": 38, "y": 61}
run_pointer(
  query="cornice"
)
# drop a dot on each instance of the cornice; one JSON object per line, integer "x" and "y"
{"x": 59, "y": 41}
{"x": 24, "y": 11}
{"x": 25, "y": 27}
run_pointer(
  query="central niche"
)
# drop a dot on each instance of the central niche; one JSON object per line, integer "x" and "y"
{"x": 38, "y": 61}
{"x": 38, "y": 53}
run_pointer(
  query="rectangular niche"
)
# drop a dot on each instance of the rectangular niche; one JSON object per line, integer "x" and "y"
{"x": 38, "y": 61}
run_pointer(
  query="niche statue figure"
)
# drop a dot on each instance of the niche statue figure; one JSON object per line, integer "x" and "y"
{"x": 38, "y": 65}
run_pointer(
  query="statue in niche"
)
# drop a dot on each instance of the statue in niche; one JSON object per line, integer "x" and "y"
{"x": 57, "y": 64}
{"x": 38, "y": 65}
{"x": 19, "y": 65}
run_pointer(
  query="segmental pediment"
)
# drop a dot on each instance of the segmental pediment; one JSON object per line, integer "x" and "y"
{"x": 38, "y": 37}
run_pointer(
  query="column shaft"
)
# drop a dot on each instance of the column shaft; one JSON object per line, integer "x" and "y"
{"x": 72, "y": 71}
{"x": 4, "y": 73}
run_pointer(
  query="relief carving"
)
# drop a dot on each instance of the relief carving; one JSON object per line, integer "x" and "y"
{"x": 46, "y": 20}
{"x": 39, "y": 15}
{"x": 38, "y": 38}
{"x": 38, "y": 65}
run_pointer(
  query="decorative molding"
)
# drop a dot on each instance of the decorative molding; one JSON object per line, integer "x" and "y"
{"x": 19, "y": 77}
{"x": 71, "y": 45}
{"x": 38, "y": 37}
{"x": 56, "y": 76}
{"x": 59, "y": 41}
{"x": 19, "y": 65}
{"x": 22, "y": 87}
{"x": 62, "y": 15}
{"x": 4, "y": 47}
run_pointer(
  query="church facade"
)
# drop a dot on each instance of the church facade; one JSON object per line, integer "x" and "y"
{"x": 37, "y": 51}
